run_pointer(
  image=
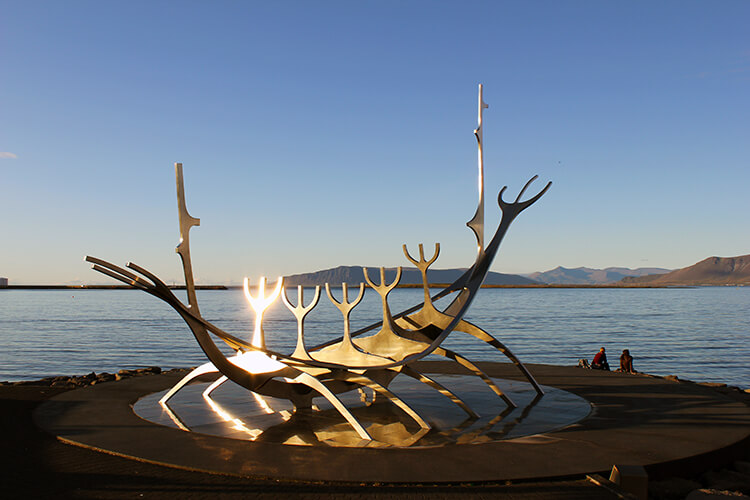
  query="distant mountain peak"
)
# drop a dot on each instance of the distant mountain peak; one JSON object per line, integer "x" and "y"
{"x": 353, "y": 275}
{"x": 589, "y": 276}
{"x": 711, "y": 271}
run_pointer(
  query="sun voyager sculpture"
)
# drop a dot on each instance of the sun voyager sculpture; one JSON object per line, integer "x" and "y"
{"x": 354, "y": 361}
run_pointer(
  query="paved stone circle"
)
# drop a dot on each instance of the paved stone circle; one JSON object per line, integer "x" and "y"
{"x": 636, "y": 420}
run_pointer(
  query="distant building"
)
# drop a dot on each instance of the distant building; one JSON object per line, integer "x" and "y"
{"x": 3, "y": 282}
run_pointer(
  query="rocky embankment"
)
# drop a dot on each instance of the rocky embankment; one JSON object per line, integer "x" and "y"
{"x": 729, "y": 390}
{"x": 730, "y": 484}
{"x": 73, "y": 381}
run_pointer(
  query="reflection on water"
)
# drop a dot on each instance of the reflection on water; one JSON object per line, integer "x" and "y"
{"x": 235, "y": 413}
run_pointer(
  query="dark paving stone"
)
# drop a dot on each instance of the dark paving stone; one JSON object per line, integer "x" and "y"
{"x": 36, "y": 465}
{"x": 637, "y": 420}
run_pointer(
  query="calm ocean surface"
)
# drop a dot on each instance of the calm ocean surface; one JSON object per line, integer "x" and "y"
{"x": 701, "y": 334}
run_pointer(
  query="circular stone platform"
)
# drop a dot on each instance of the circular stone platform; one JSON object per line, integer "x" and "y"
{"x": 635, "y": 420}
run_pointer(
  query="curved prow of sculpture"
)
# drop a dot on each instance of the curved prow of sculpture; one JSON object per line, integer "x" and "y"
{"x": 473, "y": 278}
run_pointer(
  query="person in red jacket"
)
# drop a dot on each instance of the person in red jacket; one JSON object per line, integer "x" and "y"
{"x": 600, "y": 361}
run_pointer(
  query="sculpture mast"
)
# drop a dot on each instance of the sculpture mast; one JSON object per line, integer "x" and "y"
{"x": 186, "y": 222}
{"x": 477, "y": 222}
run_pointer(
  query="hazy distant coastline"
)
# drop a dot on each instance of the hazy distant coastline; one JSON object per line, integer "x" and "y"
{"x": 432, "y": 285}
{"x": 713, "y": 271}
{"x": 586, "y": 275}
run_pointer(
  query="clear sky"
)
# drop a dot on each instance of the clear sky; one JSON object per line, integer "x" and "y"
{"x": 317, "y": 134}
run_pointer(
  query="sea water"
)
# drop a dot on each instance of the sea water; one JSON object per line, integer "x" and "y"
{"x": 700, "y": 334}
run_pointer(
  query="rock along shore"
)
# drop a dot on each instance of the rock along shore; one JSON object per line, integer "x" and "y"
{"x": 74, "y": 381}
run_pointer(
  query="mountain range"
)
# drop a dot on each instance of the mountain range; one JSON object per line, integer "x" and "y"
{"x": 352, "y": 275}
{"x": 710, "y": 271}
{"x": 588, "y": 276}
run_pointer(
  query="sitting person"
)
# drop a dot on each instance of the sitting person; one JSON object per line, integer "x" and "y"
{"x": 600, "y": 361}
{"x": 626, "y": 362}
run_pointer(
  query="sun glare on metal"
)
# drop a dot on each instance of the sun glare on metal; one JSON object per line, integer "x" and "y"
{"x": 259, "y": 305}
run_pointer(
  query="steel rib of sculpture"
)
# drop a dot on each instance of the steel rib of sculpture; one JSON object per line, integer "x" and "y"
{"x": 352, "y": 361}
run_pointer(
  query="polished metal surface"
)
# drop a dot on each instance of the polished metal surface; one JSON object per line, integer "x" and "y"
{"x": 351, "y": 361}
{"x": 477, "y": 222}
{"x": 259, "y": 305}
{"x": 186, "y": 222}
{"x": 300, "y": 311}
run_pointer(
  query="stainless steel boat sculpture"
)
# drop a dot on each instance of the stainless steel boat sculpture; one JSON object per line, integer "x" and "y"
{"x": 353, "y": 361}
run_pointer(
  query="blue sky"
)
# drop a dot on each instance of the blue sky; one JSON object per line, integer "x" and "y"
{"x": 317, "y": 134}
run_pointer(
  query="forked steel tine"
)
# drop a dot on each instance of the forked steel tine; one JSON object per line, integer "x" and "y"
{"x": 345, "y": 305}
{"x": 423, "y": 265}
{"x": 300, "y": 308}
{"x": 408, "y": 256}
{"x": 383, "y": 290}
{"x": 259, "y": 305}
{"x": 369, "y": 281}
{"x": 396, "y": 280}
{"x": 383, "y": 287}
{"x": 300, "y": 311}
{"x": 330, "y": 296}
{"x": 359, "y": 295}
{"x": 518, "y": 206}
{"x": 525, "y": 186}
{"x": 538, "y": 195}
{"x": 112, "y": 267}
{"x": 504, "y": 205}
{"x": 500, "y": 200}
{"x": 120, "y": 274}
{"x": 435, "y": 255}
{"x": 125, "y": 279}
{"x": 159, "y": 283}
{"x": 422, "y": 262}
{"x": 261, "y": 301}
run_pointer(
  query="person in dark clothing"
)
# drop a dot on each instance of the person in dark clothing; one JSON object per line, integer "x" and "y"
{"x": 600, "y": 361}
{"x": 626, "y": 362}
